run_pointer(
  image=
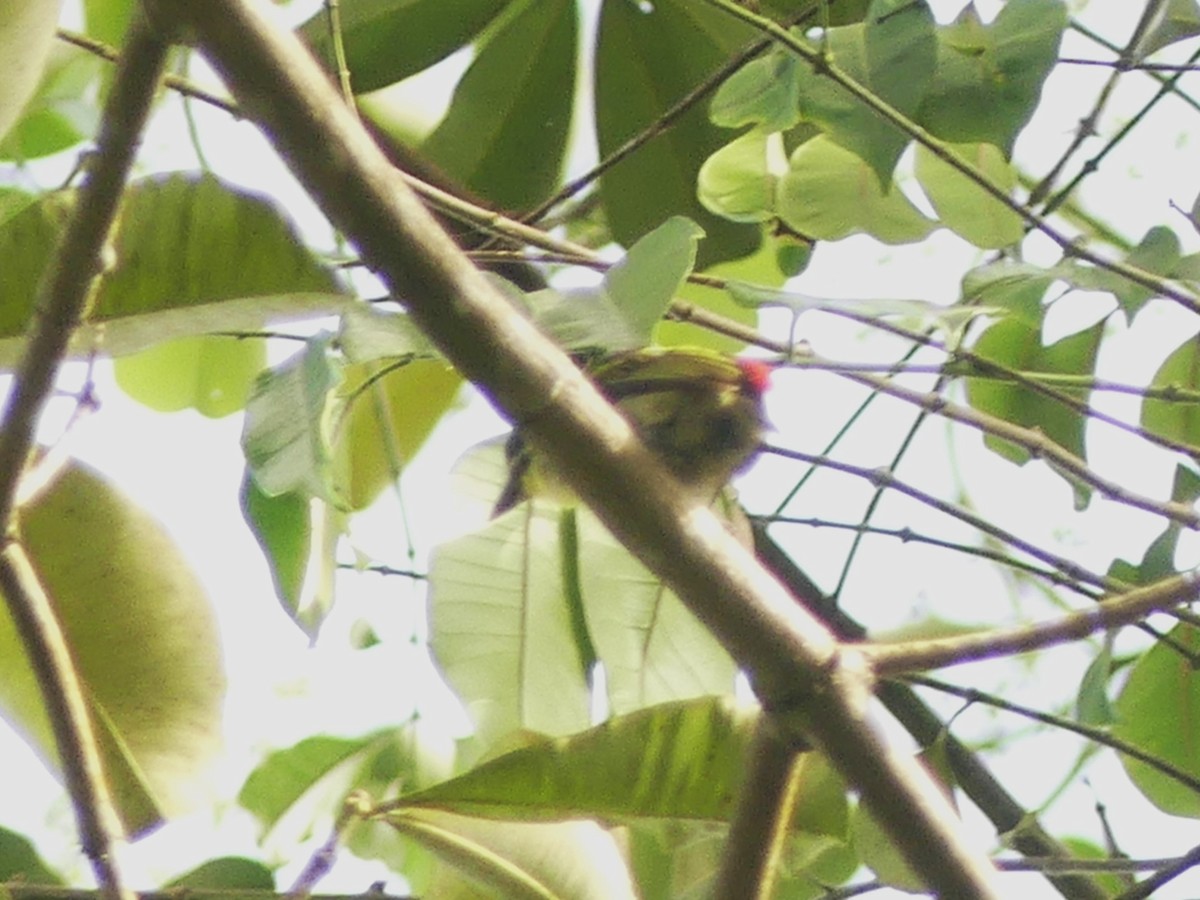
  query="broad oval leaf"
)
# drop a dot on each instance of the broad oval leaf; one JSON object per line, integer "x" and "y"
{"x": 739, "y": 180}
{"x": 388, "y": 412}
{"x": 285, "y": 436}
{"x": 763, "y": 92}
{"x": 892, "y": 54}
{"x": 1017, "y": 346}
{"x": 211, "y": 375}
{"x": 521, "y": 861}
{"x": 388, "y": 40}
{"x": 643, "y": 284}
{"x": 193, "y": 256}
{"x": 501, "y": 630}
{"x": 505, "y": 134}
{"x": 1159, "y": 710}
{"x": 829, "y": 193}
{"x": 1176, "y": 418}
{"x": 26, "y": 36}
{"x": 636, "y": 83}
{"x": 961, "y": 204}
{"x": 143, "y": 638}
{"x": 989, "y": 77}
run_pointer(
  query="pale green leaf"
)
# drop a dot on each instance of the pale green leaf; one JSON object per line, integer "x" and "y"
{"x": 961, "y": 204}
{"x": 285, "y": 437}
{"x": 1158, "y": 710}
{"x": 143, "y": 638}
{"x": 1176, "y": 419}
{"x": 739, "y": 180}
{"x": 829, "y": 193}
{"x": 212, "y": 375}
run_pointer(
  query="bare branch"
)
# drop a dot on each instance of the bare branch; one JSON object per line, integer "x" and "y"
{"x": 1124, "y": 609}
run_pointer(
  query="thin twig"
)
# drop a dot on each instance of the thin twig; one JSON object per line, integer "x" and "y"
{"x": 1087, "y": 125}
{"x": 174, "y": 82}
{"x": 1123, "y": 609}
{"x": 1101, "y": 736}
{"x": 906, "y": 535}
{"x": 884, "y": 478}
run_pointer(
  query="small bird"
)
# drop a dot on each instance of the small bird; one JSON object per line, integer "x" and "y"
{"x": 701, "y": 411}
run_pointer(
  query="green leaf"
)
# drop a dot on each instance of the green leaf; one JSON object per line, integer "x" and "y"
{"x": 829, "y": 193}
{"x": 880, "y": 854}
{"x": 211, "y": 375}
{"x": 285, "y": 437}
{"x": 1159, "y": 559}
{"x": 386, "y": 413}
{"x": 622, "y": 312}
{"x": 891, "y": 54}
{"x": 1176, "y": 419}
{"x": 282, "y": 525}
{"x": 989, "y": 77}
{"x": 1091, "y": 702}
{"x": 522, "y": 861}
{"x": 501, "y": 631}
{"x": 303, "y": 782}
{"x": 367, "y": 334}
{"x": 107, "y": 20}
{"x": 61, "y": 113}
{"x": 739, "y": 181}
{"x": 760, "y": 267}
{"x": 505, "y": 134}
{"x": 687, "y": 757}
{"x": 1158, "y": 253}
{"x": 842, "y": 12}
{"x": 1016, "y": 287}
{"x": 26, "y": 37}
{"x": 1014, "y": 344}
{"x": 143, "y": 638}
{"x": 165, "y": 284}
{"x": 1159, "y": 711}
{"x": 636, "y": 82}
{"x": 285, "y": 776}
{"x": 916, "y": 315}
{"x": 582, "y": 319}
{"x": 502, "y": 628}
{"x": 1082, "y": 848}
{"x": 763, "y": 92}
{"x": 653, "y": 649}
{"x": 643, "y": 284}
{"x": 226, "y": 873}
{"x": 388, "y": 40}
{"x": 20, "y": 863}
{"x": 962, "y": 205}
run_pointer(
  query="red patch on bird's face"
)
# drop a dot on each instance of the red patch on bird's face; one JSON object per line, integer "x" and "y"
{"x": 756, "y": 373}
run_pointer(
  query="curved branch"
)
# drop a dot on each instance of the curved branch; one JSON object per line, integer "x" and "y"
{"x": 61, "y": 304}
{"x": 798, "y": 667}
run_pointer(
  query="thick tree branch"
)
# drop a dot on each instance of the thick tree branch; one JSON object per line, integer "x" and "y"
{"x": 61, "y": 304}
{"x": 798, "y": 668}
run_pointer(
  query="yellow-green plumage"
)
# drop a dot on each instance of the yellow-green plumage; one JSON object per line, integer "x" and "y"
{"x": 699, "y": 410}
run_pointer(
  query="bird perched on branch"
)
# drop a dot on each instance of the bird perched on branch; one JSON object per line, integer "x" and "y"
{"x": 701, "y": 411}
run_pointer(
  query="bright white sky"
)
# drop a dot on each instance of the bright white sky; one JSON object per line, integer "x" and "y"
{"x": 186, "y": 471}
